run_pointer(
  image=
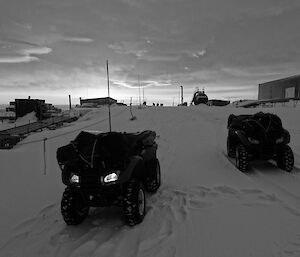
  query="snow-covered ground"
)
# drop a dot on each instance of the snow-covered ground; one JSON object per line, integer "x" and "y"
{"x": 28, "y": 118}
{"x": 205, "y": 206}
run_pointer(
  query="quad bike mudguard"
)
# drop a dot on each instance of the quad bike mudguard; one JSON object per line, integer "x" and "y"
{"x": 241, "y": 137}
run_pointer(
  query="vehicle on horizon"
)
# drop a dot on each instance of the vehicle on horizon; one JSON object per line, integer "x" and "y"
{"x": 104, "y": 169}
{"x": 199, "y": 97}
{"x": 259, "y": 136}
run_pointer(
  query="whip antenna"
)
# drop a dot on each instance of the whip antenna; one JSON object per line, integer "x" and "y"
{"x": 109, "y": 117}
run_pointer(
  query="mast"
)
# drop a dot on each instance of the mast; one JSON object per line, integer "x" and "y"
{"x": 139, "y": 90}
{"x": 109, "y": 116}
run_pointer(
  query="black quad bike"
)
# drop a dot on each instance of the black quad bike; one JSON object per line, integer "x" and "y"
{"x": 103, "y": 169}
{"x": 259, "y": 136}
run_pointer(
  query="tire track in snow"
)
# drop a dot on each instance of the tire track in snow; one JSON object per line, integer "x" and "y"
{"x": 293, "y": 248}
{"x": 168, "y": 208}
{"x": 281, "y": 184}
{"x": 297, "y": 161}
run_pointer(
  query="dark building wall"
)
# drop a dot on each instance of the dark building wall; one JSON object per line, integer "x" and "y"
{"x": 98, "y": 101}
{"x": 277, "y": 89}
{"x": 216, "y": 102}
{"x": 24, "y": 106}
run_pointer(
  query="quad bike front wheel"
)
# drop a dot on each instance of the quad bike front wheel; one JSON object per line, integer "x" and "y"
{"x": 241, "y": 158}
{"x": 230, "y": 149}
{"x": 285, "y": 158}
{"x": 73, "y": 208}
{"x": 134, "y": 202}
{"x": 153, "y": 179}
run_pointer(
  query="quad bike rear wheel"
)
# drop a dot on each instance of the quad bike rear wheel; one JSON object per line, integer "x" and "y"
{"x": 285, "y": 158}
{"x": 153, "y": 179}
{"x": 73, "y": 208}
{"x": 241, "y": 158}
{"x": 134, "y": 202}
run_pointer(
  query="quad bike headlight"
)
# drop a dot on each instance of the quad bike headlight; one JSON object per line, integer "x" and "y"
{"x": 111, "y": 177}
{"x": 62, "y": 166}
{"x": 74, "y": 179}
{"x": 253, "y": 141}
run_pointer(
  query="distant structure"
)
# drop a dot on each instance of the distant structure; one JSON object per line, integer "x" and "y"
{"x": 21, "y": 107}
{"x": 217, "y": 102}
{"x": 11, "y": 107}
{"x": 286, "y": 88}
{"x": 94, "y": 102}
{"x": 199, "y": 97}
{"x": 183, "y": 104}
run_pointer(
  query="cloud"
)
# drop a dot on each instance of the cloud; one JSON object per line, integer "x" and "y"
{"x": 160, "y": 58}
{"x": 142, "y": 84}
{"x": 52, "y": 79}
{"x": 18, "y": 59}
{"x": 26, "y": 55}
{"x": 158, "y": 83}
{"x": 78, "y": 39}
{"x": 18, "y": 51}
{"x": 23, "y": 25}
{"x": 170, "y": 55}
{"x": 196, "y": 54}
{"x": 123, "y": 84}
{"x": 127, "y": 47}
{"x": 36, "y": 51}
{"x": 133, "y": 3}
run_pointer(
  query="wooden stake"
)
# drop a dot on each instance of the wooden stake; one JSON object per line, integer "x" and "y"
{"x": 45, "y": 163}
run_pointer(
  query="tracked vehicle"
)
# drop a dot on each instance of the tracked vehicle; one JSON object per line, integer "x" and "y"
{"x": 199, "y": 98}
{"x": 259, "y": 136}
{"x": 103, "y": 169}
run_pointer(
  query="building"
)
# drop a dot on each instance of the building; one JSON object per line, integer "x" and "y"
{"x": 286, "y": 88}
{"x": 25, "y": 106}
{"x": 42, "y": 110}
{"x": 217, "y": 102}
{"x": 11, "y": 107}
{"x": 94, "y": 102}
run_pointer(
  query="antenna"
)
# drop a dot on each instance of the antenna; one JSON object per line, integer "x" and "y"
{"x": 139, "y": 90}
{"x": 143, "y": 96}
{"x": 181, "y": 94}
{"x": 109, "y": 117}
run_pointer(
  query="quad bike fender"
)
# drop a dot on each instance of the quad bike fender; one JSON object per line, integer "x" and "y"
{"x": 240, "y": 136}
{"x": 230, "y": 119}
{"x": 149, "y": 152}
{"x": 135, "y": 168}
{"x": 286, "y": 136}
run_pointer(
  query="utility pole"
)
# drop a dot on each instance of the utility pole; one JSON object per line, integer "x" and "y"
{"x": 70, "y": 104}
{"x": 181, "y": 95}
{"x": 109, "y": 117}
{"x": 143, "y": 96}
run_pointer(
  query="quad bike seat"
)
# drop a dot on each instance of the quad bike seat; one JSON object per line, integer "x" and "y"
{"x": 115, "y": 146}
{"x": 237, "y": 121}
{"x": 145, "y": 138}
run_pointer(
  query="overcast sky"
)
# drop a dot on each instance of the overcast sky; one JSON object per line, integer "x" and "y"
{"x": 52, "y": 48}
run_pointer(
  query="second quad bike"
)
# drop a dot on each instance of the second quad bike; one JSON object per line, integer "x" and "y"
{"x": 258, "y": 136}
{"x": 103, "y": 169}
